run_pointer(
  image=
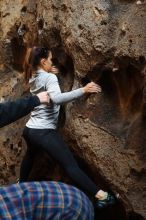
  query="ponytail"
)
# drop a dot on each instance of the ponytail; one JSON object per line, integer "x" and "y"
{"x": 32, "y": 60}
{"x": 28, "y": 70}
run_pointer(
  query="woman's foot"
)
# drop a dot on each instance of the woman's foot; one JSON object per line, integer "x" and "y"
{"x": 103, "y": 203}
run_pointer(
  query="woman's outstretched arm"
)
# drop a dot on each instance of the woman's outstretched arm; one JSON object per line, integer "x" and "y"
{"x": 53, "y": 88}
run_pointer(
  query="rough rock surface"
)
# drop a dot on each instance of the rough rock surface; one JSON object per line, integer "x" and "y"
{"x": 103, "y": 41}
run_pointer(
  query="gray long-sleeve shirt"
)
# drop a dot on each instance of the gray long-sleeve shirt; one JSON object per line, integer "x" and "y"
{"x": 46, "y": 116}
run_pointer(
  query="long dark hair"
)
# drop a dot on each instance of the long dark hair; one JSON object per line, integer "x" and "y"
{"x": 32, "y": 60}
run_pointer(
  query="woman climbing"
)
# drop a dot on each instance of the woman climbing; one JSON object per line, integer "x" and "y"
{"x": 40, "y": 130}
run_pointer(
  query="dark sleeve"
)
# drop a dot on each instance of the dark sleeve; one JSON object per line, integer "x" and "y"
{"x": 12, "y": 111}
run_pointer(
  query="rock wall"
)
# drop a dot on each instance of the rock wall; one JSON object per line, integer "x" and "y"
{"x": 103, "y": 41}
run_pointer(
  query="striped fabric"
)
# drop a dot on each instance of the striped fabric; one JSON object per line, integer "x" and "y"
{"x": 44, "y": 200}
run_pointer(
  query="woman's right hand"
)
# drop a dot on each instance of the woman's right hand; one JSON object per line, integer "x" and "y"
{"x": 54, "y": 70}
{"x": 92, "y": 88}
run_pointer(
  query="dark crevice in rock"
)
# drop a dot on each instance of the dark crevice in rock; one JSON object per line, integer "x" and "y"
{"x": 63, "y": 61}
{"x": 80, "y": 26}
{"x": 40, "y": 24}
{"x": 24, "y": 9}
{"x": 22, "y": 29}
{"x": 61, "y": 58}
{"x": 19, "y": 51}
{"x": 50, "y": 38}
{"x": 63, "y": 7}
{"x": 122, "y": 83}
{"x": 142, "y": 60}
{"x": 85, "y": 80}
{"x": 5, "y": 15}
{"x": 138, "y": 140}
{"x": 138, "y": 175}
{"x": 134, "y": 216}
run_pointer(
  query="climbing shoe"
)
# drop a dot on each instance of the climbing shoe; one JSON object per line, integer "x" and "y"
{"x": 109, "y": 201}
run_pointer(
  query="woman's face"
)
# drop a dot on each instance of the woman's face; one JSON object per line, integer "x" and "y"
{"x": 47, "y": 63}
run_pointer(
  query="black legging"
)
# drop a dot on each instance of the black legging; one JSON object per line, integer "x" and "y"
{"x": 52, "y": 142}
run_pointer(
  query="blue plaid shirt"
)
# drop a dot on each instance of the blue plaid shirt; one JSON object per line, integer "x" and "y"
{"x": 44, "y": 200}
